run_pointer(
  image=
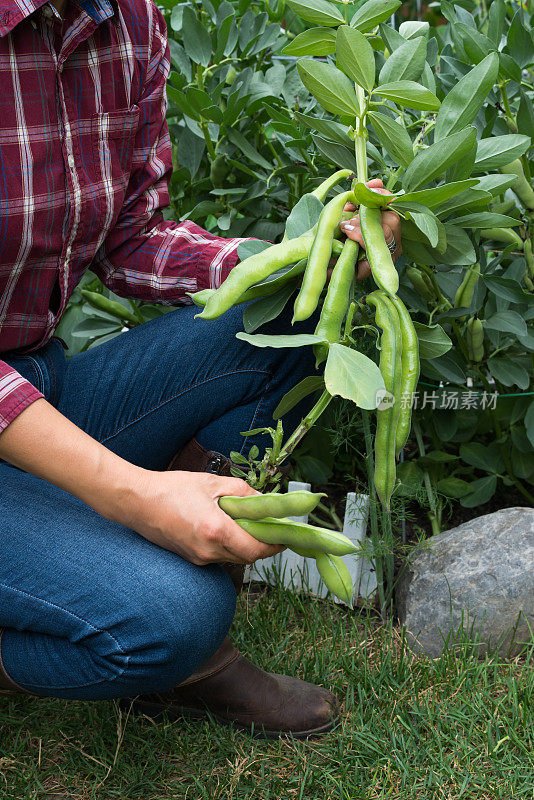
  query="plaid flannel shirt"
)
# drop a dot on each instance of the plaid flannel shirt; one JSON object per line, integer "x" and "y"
{"x": 85, "y": 160}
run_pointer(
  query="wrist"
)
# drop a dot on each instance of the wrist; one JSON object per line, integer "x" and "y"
{"x": 117, "y": 492}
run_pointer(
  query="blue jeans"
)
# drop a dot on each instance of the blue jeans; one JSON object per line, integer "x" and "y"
{"x": 91, "y": 609}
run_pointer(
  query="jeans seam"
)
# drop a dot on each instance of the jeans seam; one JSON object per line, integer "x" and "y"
{"x": 46, "y": 357}
{"x": 179, "y": 394}
{"x": 76, "y": 616}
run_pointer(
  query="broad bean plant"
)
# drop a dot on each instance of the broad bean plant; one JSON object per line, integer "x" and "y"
{"x": 279, "y": 114}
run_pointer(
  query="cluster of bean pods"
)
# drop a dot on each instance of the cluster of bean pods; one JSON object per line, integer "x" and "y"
{"x": 265, "y": 517}
{"x": 309, "y": 255}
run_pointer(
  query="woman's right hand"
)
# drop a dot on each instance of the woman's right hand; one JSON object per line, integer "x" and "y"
{"x": 180, "y": 512}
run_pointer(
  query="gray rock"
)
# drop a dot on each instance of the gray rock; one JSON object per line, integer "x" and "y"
{"x": 475, "y": 580}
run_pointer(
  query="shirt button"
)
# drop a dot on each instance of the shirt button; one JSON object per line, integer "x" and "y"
{"x": 70, "y": 161}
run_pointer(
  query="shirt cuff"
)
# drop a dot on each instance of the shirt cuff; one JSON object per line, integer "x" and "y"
{"x": 16, "y": 394}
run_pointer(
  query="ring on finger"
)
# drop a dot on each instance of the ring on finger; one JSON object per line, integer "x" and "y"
{"x": 392, "y": 246}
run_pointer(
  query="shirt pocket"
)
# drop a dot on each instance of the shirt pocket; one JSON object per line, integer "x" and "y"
{"x": 113, "y": 137}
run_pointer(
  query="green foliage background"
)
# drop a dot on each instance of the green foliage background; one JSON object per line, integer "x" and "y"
{"x": 249, "y": 140}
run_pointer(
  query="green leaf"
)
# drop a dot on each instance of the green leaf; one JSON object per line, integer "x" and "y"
{"x": 303, "y": 216}
{"x": 433, "y": 341}
{"x": 313, "y": 42}
{"x": 525, "y": 115}
{"x": 355, "y": 56}
{"x": 368, "y": 197}
{"x": 460, "y": 251}
{"x": 519, "y": 41}
{"x": 508, "y": 372}
{"x": 335, "y": 153}
{"x": 251, "y": 247}
{"x": 476, "y": 45}
{"x": 486, "y": 219}
{"x": 354, "y": 376}
{"x": 409, "y": 94}
{"x": 507, "y": 322}
{"x": 430, "y": 226}
{"x": 95, "y": 326}
{"x": 319, "y": 12}
{"x": 435, "y": 197}
{"x": 329, "y": 86}
{"x": 393, "y": 137}
{"x": 327, "y": 128}
{"x": 488, "y": 458}
{"x": 529, "y": 423}
{"x": 453, "y": 487}
{"x": 496, "y": 17}
{"x": 466, "y": 200}
{"x": 246, "y": 149}
{"x": 265, "y": 309}
{"x": 462, "y": 104}
{"x": 405, "y": 63}
{"x": 372, "y": 13}
{"x": 500, "y": 150}
{"x": 481, "y": 491}
{"x": 411, "y": 29}
{"x": 281, "y": 341}
{"x": 437, "y": 158}
{"x": 195, "y": 38}
{"x": 445, "y": 368}
{"x": 507, "y": 289}
{"x": 495, "y": 184}
{"x": 313, "y": 383}
{"x": 411, "y": 479}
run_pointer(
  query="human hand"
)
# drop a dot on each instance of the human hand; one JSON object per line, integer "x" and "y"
{"x": 391, "y": 225}
{"x": 180, "y": 512}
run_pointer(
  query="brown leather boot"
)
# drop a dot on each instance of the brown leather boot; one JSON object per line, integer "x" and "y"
{"x": 7, "y": 684}
{"x": 231, "y": 688}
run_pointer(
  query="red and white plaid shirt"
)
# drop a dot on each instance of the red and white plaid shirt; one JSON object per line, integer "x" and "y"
{"x": 85, "y": 159}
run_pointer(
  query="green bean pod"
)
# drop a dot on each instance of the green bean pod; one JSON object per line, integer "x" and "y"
{"x": 259, "y": 506}
{"x": 268, "y": 287}
{"x": 464, "y": 295}
{"x": 521, "y": 187}
{"x": 333, "y": 571}
{"x": 111, "y": 306}
{"x": 382, "y": 267}
{"x": 474, "y": 336}
{"x": 336, "y": 576}
{"x": 409, "y": 373}
{"x": 254, "y": 269}
{"x": 319, "y": 257}
{"x": 399, "y": 352}
{"x": 385, "y": 437}
{"x": 421, "y": 283}
{"x": 504, "y": 235}
{"x": 337, "y": 298}
{"x": 337, "y": 177}
{"x": 298, "y": 534}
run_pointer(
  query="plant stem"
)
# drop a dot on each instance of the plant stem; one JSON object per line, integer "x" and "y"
{"x": 433, "y": 516}
{"x": 302, "y": 429}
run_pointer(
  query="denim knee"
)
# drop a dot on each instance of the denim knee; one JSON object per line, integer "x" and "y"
{"x": 177, "y": 631}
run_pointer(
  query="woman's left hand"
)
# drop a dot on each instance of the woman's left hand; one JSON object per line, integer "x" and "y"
{"x": 391, "y": 225}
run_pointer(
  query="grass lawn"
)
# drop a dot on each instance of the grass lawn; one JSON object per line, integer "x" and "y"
{"x": 412, "y": 728}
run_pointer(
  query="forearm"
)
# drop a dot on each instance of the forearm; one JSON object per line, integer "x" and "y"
{"x": 43, "y": 442}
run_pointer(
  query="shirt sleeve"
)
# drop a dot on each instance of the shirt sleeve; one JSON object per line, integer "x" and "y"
{"x": 145, "y": 256}
{"x": 16, "y": 394}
